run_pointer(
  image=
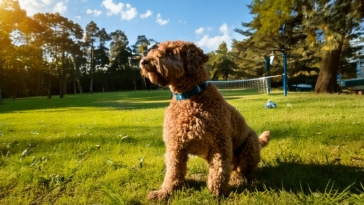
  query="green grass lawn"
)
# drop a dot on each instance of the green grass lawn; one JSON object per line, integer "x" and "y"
{"x": 107, "y": 148}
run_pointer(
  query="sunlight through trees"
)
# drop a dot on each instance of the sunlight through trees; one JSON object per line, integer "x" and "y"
{"x": 48, "y": 54}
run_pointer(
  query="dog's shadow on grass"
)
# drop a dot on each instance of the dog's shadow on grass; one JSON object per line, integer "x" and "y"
{"x": 298, "y": 178}
{"x": 313, "y": 177}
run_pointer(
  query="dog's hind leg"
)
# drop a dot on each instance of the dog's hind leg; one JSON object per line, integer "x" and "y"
{"x": 219, "y": 171}
{"x": 248, "y": 156}
{"x": 176, "y": 164}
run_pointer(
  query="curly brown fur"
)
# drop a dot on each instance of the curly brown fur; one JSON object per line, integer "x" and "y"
{"x": 204, "y": 125}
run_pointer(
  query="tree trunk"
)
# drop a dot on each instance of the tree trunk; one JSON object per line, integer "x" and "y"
{"x": 60, "y": 87}
{"x": 92, "y": 67}
{"x": 76, "y": 82}
{"x": 62, "y": 77}
{"x": 24, "y": 87}
{"x": 91, "y": 83}
{"x": 74, "y": 86}
{"x": 79, "y": 86}
{"x": 64, "y": 86}
{"x": 1, "y": 82}
{"x": 1, "y": 97}
{"x": 49, "y": 95}
{"x": 326, "y": 81}
{"x": 39, "y": 85}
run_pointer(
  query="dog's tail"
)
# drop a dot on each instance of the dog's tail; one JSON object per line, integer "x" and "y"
{"x": 264, "y": 138}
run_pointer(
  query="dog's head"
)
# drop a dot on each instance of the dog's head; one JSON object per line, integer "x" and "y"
{"x": 173, "y": 62}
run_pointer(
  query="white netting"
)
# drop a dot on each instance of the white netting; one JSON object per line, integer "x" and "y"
{"x": 256, "y": 84}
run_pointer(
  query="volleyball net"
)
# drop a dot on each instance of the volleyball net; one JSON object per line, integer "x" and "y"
{"x": 261, "y": 84}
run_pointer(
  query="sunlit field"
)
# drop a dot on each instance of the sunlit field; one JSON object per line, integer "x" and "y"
{"x": 107, "y": 148}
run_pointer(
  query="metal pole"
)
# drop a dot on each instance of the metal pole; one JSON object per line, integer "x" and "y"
{"x": 361, "y": 70}
{"x": 284, "y": 67}
{"x": 359, "y": 73}
{"x": 267, "y": 66}
{"x": 284, "y": 73}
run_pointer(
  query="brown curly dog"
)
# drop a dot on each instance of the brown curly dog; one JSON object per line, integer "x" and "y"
{"x": 199, "y": 121}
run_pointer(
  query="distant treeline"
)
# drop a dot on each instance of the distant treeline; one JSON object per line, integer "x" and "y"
{"x": 48, "y": 54}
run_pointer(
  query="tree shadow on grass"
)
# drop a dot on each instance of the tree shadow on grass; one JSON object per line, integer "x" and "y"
{"x": 58, "y": 105}
{"x": 112, "y": 100}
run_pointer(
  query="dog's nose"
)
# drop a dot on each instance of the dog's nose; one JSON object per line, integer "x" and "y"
{"x": 144, "y": 61}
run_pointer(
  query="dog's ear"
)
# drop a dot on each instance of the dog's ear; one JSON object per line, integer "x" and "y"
{"x": 195, "y": 58}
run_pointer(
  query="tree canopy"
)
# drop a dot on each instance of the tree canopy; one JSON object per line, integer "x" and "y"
{"x": 48, "y": 54}
{"x": 321, "y": 31}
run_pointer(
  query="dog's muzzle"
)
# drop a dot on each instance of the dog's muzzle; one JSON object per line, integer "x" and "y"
{"x": 144, "y": 61}
{"x": 145, "y": 64}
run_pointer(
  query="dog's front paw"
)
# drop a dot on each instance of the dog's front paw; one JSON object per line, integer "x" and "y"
{"x": 157, "y": 195}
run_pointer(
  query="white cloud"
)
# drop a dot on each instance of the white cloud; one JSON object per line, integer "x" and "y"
{"x": 160, "y": 21}
{"x": 129, "y": 13}
{"x": 113, "y": 9}
{"x": 41, "y": 6}
{"x": 126, "y": 11}
{"x": 199, "y": 31}
{"x": 47, "y": 2}
{"x": 146, "y": 15}
{"x": 212, "y": 43}
{"x": 94, "y": 12}
{"x": 224, "y": 28}
{"x": 60, "y": 8}
{"x": 32, "y": 7}
{"x": 78, "y": 17}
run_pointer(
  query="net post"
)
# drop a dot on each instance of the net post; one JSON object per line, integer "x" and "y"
{"x": 267, "y": 66}
{"x": 284, "y": 77}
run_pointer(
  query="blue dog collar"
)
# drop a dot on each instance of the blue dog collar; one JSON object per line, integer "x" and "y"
{"x": 194, "y": 91}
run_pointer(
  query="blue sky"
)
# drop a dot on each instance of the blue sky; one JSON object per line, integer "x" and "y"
{"x": 207, "y": 23}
